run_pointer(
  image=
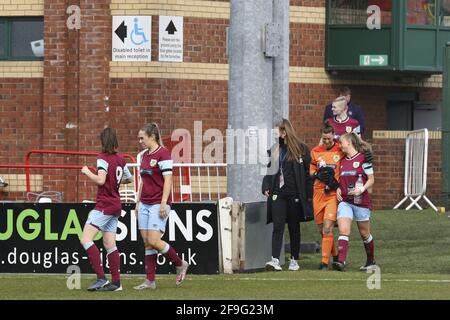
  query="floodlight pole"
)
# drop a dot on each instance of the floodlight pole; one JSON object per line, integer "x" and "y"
{"x": 258, "y": 88}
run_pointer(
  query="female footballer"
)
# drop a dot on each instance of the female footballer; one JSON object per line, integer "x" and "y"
{"x": 111, "y": 172}
{"x": 153, "y": 204}
{"x": 356, "y": 176}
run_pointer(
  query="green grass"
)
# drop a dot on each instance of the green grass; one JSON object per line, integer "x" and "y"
{"x": 412, "y": 250}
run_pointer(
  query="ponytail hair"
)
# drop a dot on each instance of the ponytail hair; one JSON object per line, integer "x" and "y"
{"x": 327, "y": 128}
{"x": 152, "y": 129}
{"x": 357, "y": 142}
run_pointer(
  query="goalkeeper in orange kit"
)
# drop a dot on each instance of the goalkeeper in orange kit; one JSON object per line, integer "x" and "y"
{"x": 325, "y": 159}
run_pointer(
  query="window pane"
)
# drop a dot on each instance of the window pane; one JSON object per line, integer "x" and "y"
{"x": 2, "y": 38}
{"x": 24, "y": 33}
{"x": 421, "y": 12}
{"x": 445, "y": 13}
{"x": 355, "y": 11}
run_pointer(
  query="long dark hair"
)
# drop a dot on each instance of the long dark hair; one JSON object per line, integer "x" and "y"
{"x": 108, "y": 138}
{"x": 293, "y": 144}
{"x": 153, "y": 129}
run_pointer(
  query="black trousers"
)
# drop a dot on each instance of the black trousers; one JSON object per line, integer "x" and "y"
{"x": 284, "y": 209}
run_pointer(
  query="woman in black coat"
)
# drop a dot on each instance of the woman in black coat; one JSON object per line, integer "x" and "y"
{"x": 289, "y": 192}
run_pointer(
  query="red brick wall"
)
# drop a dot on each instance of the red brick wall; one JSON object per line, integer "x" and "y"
{"x": 21, "y": 118}
{"x": 204, "y": 40}
{"x": 389, "y": 173}
{"x": 173, "y": 104}
{"x": 20, "y": 123}
{"x": 307, "y": 45}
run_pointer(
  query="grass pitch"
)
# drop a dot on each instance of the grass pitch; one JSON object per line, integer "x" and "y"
{"x": 412, "y": 250}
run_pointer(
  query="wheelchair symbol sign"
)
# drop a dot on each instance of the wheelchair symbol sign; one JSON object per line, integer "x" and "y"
{"x": 137, "y": 36}
{"x": 131, "y": 38}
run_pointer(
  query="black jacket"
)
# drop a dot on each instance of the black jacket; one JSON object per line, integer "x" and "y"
{"x": 302, "y": 179}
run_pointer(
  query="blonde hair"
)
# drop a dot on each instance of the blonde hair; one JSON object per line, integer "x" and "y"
{"x": 340, "y": 101}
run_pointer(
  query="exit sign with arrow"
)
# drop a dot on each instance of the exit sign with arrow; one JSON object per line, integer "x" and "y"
{"x": 373, "y": 60}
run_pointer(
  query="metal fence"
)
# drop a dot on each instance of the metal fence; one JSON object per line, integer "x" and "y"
{"x": 416, "y": 162}
{"x": 191, "y": 182}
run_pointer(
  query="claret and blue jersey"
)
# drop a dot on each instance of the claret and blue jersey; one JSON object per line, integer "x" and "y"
{"x": 108, "y": 198}
{"x": 154, "y": 166}
{"x": 351, "y": 168}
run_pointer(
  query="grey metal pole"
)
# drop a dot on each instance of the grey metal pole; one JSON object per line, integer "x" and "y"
{"x": 446, "y": 128}
{"x": 249, "y": 95}
{"x": 281, "y": 62}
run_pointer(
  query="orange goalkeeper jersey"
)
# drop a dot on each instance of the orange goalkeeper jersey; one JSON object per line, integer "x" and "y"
{"x": 330, "y": 157}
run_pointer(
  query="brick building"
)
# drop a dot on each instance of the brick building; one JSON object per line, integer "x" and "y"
{"x": 59, "y": 102}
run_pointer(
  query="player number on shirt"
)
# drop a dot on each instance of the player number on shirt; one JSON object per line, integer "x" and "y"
{"x": 119, "y": 174}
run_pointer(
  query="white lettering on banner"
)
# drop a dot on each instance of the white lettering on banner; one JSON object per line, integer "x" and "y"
{"x": 174, "y": 219}
{"x": 189, "y": 258}
{"x": 209, "y": 231}
{"x": 46, "y": 259}
{"x": 186, "y": 230}
{"x": 133, "y": 225}
{"x": 55, "y": 238}
{"x": 122, "y": 231}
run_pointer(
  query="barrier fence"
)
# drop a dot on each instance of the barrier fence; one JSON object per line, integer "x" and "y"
{"x": 191, "y": 181}
{"x": 416, "y": 163}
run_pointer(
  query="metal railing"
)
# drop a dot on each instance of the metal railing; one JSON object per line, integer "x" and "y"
{"x": 191, "y": 181}
{"x": 67, "y": 153}
{"x": 197, "y": 181}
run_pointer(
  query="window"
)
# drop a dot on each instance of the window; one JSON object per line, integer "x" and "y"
{"x": 421, "y": 12}
{"x": 445, "y": 13}
{"x": 2, "y": 38}
{"x": 352, "y": 12}
{"x": 21, "y": 38}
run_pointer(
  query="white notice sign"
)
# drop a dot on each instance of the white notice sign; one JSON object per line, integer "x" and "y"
{"x": 171, "y": 39}
{"x": 131, "y": 38}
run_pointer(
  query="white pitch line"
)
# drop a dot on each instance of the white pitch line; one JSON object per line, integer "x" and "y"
{"x": 200, "y": 278}
{"x": 330, "y": 280}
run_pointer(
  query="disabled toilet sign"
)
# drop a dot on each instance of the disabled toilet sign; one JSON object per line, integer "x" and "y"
{"x": 131, "y": 38}
{"x": 171, "y": 38}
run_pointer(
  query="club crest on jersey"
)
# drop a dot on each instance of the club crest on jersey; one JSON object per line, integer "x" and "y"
{"x": 336, "y": 158}
{"x": 153, "y": 162}
{"x": 348, "y": 129}
{"x": 356, "y": 165}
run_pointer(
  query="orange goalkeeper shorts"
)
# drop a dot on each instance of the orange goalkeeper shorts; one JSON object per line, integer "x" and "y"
{"x": 325, "y": 206}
